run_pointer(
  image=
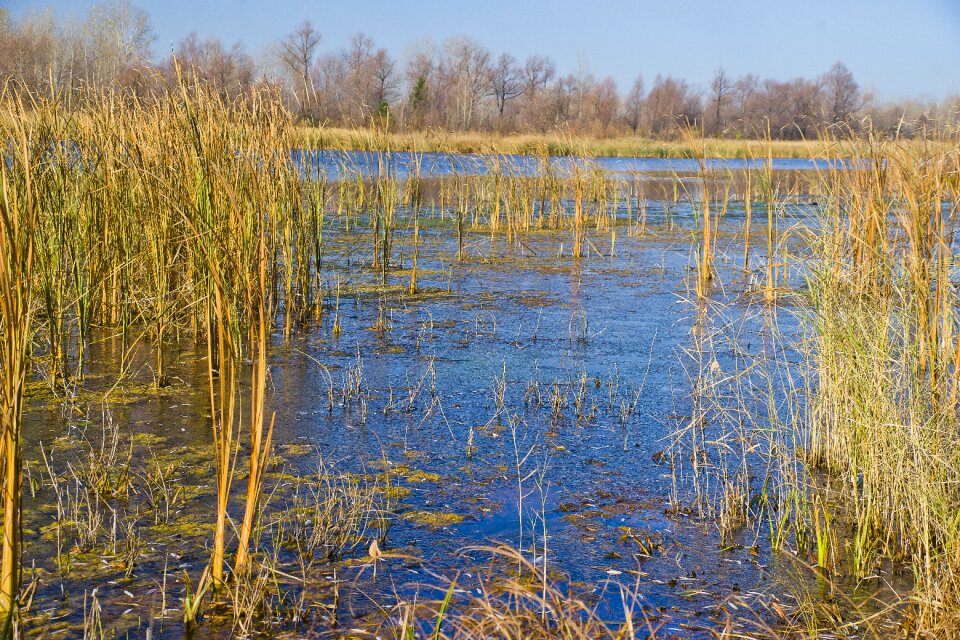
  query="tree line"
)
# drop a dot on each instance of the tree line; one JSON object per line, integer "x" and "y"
{"x": 459, "y": 85}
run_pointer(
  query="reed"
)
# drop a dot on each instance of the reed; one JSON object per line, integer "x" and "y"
{"x": 705, "y": 270}
{"x": 578, "y": 212}
{"x": 770, "y": 196}
{"x": 852, "y": 426}
{"x": 748, "y": 212}
{"x": 23, "y": 175}
{"x": 883, "y": 323}
{"x": 557, "y": 143}
{"x": 234, "y": 232}
{"x": 258, "y": 303}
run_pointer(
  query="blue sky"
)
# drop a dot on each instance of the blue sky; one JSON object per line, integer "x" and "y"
{"x": 895, "y": 48}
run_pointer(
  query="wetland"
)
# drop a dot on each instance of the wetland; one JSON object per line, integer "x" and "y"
{"x": 267, "y": 393}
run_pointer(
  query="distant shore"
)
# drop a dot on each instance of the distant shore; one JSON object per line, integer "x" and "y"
{"x": 561, "y": 145}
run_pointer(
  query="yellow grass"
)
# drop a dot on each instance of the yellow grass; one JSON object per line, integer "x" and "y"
{"x": 556, "y": 143}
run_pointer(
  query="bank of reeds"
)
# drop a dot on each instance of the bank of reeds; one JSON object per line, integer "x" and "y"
{"x": 172, "y": 215}
{"x": 885, "y": 350}
{"x": 556, "y": 144}
{"x": 838, "y": 444}
{"x": 23, "y": 175}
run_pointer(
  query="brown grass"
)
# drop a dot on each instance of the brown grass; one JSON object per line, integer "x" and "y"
{"x": 563, "y": 144}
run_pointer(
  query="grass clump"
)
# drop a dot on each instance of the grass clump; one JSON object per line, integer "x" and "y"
{"x": 840, "y": 445}
{"x": 434, "y": 519}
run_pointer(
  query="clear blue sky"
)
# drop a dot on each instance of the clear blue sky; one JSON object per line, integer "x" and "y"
{"x": 897, "y": 48}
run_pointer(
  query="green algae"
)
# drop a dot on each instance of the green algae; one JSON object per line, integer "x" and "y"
{"x": 433, "y": 519}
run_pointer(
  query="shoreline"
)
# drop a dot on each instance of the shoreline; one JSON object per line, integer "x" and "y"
{"x": 342, "y": 139}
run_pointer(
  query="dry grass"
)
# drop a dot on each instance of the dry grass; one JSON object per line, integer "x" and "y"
{"x": 564, "y": 144}
{"x": 552, "y": 143}
{"x": 840, "y": 445}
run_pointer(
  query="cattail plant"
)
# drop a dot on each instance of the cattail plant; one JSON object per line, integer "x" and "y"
{"x": 416, "y": 197}
{"x": 578, "y": 214}
{"x": 705, "y": 271}
{"x": 747, "y": 207}
{"x": 22, "y": 175}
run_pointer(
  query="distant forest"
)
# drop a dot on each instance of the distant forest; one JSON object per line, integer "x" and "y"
{"x": 459, "y": 85}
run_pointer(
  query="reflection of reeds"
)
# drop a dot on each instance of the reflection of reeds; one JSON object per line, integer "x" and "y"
{"x": 497, "y": 605}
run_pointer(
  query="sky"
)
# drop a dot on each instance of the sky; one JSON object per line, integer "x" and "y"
{"x": 895, "y": 48}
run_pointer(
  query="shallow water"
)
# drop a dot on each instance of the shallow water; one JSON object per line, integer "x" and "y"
{"x": 402, "y": 163}
{"x": 591, "y": 359}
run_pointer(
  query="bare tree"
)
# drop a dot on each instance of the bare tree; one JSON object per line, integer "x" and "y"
{"x": 467, "y": 67}
{"x": 843, "y": 95}
{"x": 229, "y": 71}
{"x": 27, "y": 50}
{"x": 296, "y": 53}
{"x": 670, "y": 103}
{"x": 357, "y": 59}
{"x": 720, "y": 89}
{"x": 806, "y": 98}
{"x": 633, "y": 105}
{"x": 788, "y": 110}
{"x": 562, "y": 100}
{"x": 359, "y": 52}
{"x": 505, "y": 82}
{"x": 420, "y": 74}
{"x": 745, "y": 103}
{"x": 538, "y": 71}
{"x": 330, "y": 79}
{"x": 606, "y": 103}
{"x": 383, "y": 67}
{"x": 117, "y": 35}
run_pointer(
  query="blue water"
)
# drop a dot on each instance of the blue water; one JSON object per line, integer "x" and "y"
{"x": 334, "y": 164}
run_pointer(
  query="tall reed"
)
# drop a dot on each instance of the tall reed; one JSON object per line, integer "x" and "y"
{"x": 23, "y": 173}
{"x": 852, "y": 425}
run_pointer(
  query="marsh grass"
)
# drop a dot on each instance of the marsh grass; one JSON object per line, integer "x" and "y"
{"x": 883, "y": 324}
{"x": 22, "y": 178}
{"x": 178, "y": 216}
{"x": 841, "y": 443}
{"x": 557, "y": 144}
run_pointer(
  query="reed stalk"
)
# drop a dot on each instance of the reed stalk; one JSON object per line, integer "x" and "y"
{"x": 21, "y": 176}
